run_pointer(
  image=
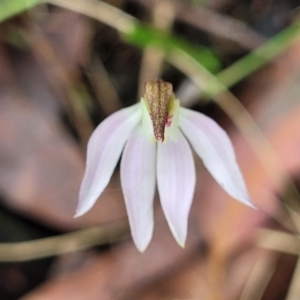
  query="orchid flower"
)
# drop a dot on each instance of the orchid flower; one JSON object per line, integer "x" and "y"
{"x": 156, "y": 136}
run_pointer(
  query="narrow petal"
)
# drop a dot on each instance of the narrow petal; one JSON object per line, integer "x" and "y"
{"x": 103, "y": 152}
{"x": 138, "y": 185}
{"x": 214, "y": 147}
{"x": 176, "y": 179}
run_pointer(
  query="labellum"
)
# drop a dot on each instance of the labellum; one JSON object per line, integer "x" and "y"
{"x": 159, "y": 96}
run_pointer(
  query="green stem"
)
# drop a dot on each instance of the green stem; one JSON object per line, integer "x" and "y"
{"x": 259, "y": 57}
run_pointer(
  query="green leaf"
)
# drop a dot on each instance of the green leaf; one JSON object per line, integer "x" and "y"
{"x": 260, "y": 57}
{"x": 10, "y": 8}
{"x": 144, "y": 36}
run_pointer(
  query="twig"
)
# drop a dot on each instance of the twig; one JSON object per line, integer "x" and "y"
{"x": 259, "y": 277}
{"x": 153, "y": 57}
{"x": 215, "y": 23}
{"x": 56, "y": 72}
{"x": 294, "y": 289}
{"x": 103, "y": 87}
{"x": 101, "y": 11}
{"x": 65, "y": 243}
{"x": 278, "y": 241}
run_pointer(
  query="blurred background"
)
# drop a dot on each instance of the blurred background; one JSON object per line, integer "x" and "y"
{"x": 67, "y": 65}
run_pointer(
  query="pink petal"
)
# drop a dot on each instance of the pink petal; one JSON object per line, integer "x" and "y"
{"x": 103, "y": 152}
{"x": 138, "y": 185}
{"x": 214, "y": 147}
{"x": 176, "y": 179}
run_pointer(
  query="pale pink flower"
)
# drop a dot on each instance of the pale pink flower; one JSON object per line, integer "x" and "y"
{"x": 155, "y": 137}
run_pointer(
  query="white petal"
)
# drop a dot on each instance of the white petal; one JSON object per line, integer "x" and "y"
{"x": 103, "y": 152}
{"x": 214, "y": 147}
{"x": 176, "y": 179}
{"x": 138, "y": 185}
